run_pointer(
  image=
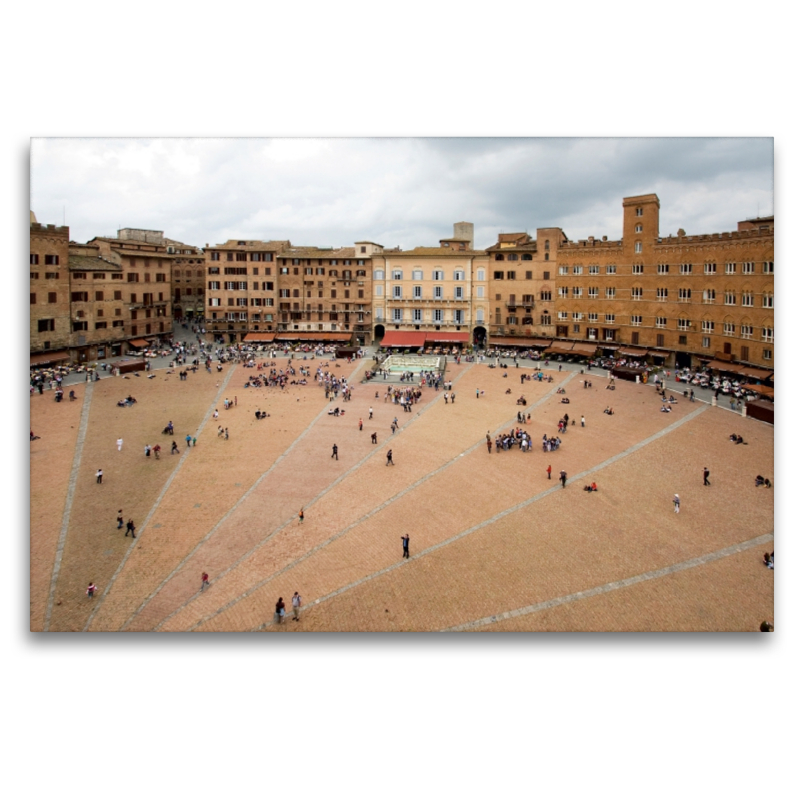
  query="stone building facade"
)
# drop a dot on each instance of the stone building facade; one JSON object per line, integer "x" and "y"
{"x": 325, "y": 290}
{"x": 50, "y": 302}
{"x": 146, "y": 283}
{"x": 188, "y": 280}
{"x": 432, "y": 291}
{"x": 97, "y": 300}
{"x": 241, "y": 287}
{"x": 522, "y": 271}
{"x": 708, "y": 296}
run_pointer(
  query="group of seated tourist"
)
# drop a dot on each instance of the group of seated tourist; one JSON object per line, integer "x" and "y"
{"x": 736, "y": 439}
{"x": 762, "y": 481}
{"x": 591, "y": 487}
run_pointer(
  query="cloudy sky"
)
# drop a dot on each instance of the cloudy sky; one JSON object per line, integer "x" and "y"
{"x": 394, "y": 191}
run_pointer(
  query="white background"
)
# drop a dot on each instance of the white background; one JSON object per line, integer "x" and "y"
{"x": 637, "y": 716}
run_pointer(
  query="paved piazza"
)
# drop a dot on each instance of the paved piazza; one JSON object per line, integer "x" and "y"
{"x": 495, "y": 545}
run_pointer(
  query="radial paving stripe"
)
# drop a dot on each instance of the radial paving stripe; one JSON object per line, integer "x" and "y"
{"x": 377, "y": 509}
{"x": 160, "y": 497}
{"x": 507, "y": 511}
{"x": 73, "y": 478}
{"x": 614, "y": 585}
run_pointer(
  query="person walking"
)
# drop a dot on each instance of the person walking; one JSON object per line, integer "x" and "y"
{"x": 174, "y": 448}
{"x": 91, "y": 590}
{"x": 583, "y": 421}
{"x": 280, "y": 611}
{"x": 130, "y": 528}
{"x": 204, "y": 579}
{"x": 563, "y": 477}
{"x": 389, "y": 459}
{"x": 119, "y": 444}
{"x": 120, "y": 520}
{"x": 188, "y": 439}
{"x": 226, "y": 434}
{"x": 297, "y": 601}
{"x": 706, "y": 473}
{"x": 360, "y": 424}
{"x": 370, "y": 412}
{"x": 375, "y": 438}
{"x": 335, "y": 452}
{"x": 404, "y": 539}
{"x": 677, "y": 503}
{"x": 549, "y": 470}
{"x": 99, "y": 475}
{"x": 301, "y": 516}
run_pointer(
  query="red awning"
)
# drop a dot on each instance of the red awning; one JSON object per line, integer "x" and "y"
{"x": 440, "y": 337}
{"x": 259, "y": 337}
{"x": 139, "y": 342}
{"x": 516, "y": 341}
{"x": 584, "y": 349}
{"x": 403, "y": 339}
{"x": 311, "y": 336}
{"x": 49, "y": 358}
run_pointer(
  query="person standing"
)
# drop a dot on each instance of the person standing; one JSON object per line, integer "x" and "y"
{"x": 147, "y": 450}
{"x": 404, "y": 539}
{"x": 204, "y": 579}
{"x": 563, "y": 477}
{"x": 119, "y": 444}
{"x": 706, "y": 473}
{"x": 549, "y": 470}
{"x": 360, "y": 424}
{"x": 583, "y": 421}
{"x": 297, "y": 601}
{"x": 120, "y": 520}
{"x": 370, "y": 412}
{"x": 677, "y": 503}
{"x": 188, "y": 439}
{"x": 301, "y": 516}
{"x": 389, "y": 459}
{"x": 91, "y": 590}
{"x": 280, "y": 610}
{"x": 335, "y": 452}
{"x": 375, "y": 438}
{"x": 99, "y": 475}
{"x": 226, "y": 434}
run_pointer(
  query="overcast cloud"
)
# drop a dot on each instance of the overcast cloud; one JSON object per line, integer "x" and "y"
{"x": 405, "y": 192}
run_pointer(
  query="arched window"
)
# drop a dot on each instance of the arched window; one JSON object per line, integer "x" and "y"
{"x": 458, "y": 275}
{"x": 397, "y": 274}
{"x": 527, "y": 257}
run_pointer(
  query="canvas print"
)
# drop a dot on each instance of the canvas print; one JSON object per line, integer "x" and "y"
{"x": 401, "y": 385}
